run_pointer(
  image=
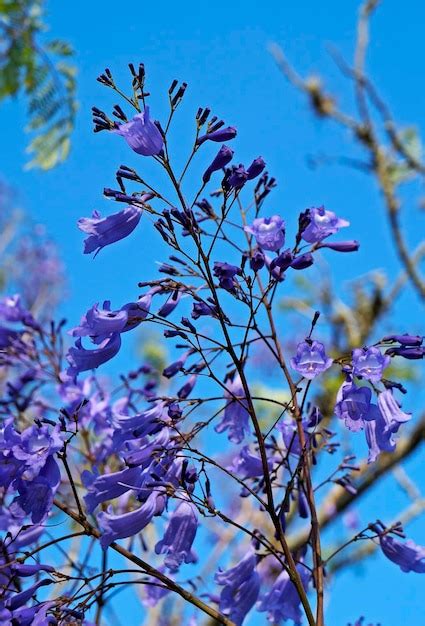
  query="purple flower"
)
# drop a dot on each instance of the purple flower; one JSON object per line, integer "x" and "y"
{"x": 36, "y": 496}
{"x": 128, "y": 524}
{"x": 341, "y": 246}
{"x": 103, "y": 231}
{"x": 241, "y": 586}
{"x": 222, "y": 158}
{"x": 256, "y": 168}
{"x": 223, "y": 134}
{"x": 35, "y": 445}
{"x": 100, "y": 322}
{"x": 408, "y": 556}
{"x": 369, "y": 363}
{"x": 247, "y": 465}
{"x": 310, "y": 359}
{"x": 11, "y": 310}
{"x": 322, "y": 223}
{"x": 257, "y": 260}
{"x": 407, "y": 352}
{"x": 201, "y": 308}
{"x": 302, "y": 261}
{"x": 282, "y": 602}
{"x": 187, "y": 388}
{"x": 236, "y": 416}
{"x": 237, "y": 177}
{"x": 170, "y": 304}
{"x": 225, "y": 272}
{"x": 379, "y": 436}
{"x": 391, "y": 410}
{"x": 109, "y": 486}
{"x": 80, "y": 359}
{"x": 177, "y": 366}
{"x": 352, "y": 405}
{"x": 269, "y": 232}
{"x": 405, "y": 340}
{"x": 179, "y": 536}
{"x": 141, "y": 134}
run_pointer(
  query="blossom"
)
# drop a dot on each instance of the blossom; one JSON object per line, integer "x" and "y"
{"x": 222, "y": 158}
{"x": 222, "y": 134}
{"x": 179, "y": 536}
{"x": 141, "y": 134}
{"x": 236, "y": 416}
{"x": 391, "y": 410}
{"x": 310, "y": 359}
{"x": 247, "y": 465}
{"x": 322, "y": 224}
{"x": 269, "y": 232}
{"x": 103, "y": 231}
{"x": 12, "y": 310}
{"x": 379, "y": 437}
{"x": 352, "y": 405}
{"x": 405, "y": 340}
{"x": 302, "y": 261}
{"x": 36, "y": 496}
{"x": 408, "y": 555}
{"x": 80, "y": 359}
{"x": 201, "y": 308}
{"x": 100, "y": 322}
{"x": 282, "y": 602}
{"x": 369, "y": 363}
{"x": 225, "y": 272}
{"x": 109, "y": 486}
{"x": 256, "y": 168}
{"x": 341, "y": 246}
{"x": 407, "y": 352}
{"x": 237, "y": 177}
{"x": 241, "y": 586}
{"x": 128, "y": 524}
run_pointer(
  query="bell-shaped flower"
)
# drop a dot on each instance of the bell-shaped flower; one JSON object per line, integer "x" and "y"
{"x": 269, "y": 232}
{"x": 222, "y": 158}
{"x": 322, "y": 223}
{"x": 256, "y": 168}
{"x": 80, "y": 359}
{"x": 102, "y": 231}
{"x": 100, "y": 322}
{"x": 391, "y": 411}
{"x": 409, "y": 556}
{"x": 222, "y": 134}
{"x": 241, "y": 586}
{"x": 282, "y": 602}
{"x": 352, "y": 405}
{"x": 369, "y": 363}
{"x": 179, "y": 537}
{"x": 141, "y": 134}
{"x": 236, "y": 415}
{"x": 128, "y": 524}
{"x": 379, "y": 436}
{"x": 310, "y": 359}
{"x": 109, "y": 486}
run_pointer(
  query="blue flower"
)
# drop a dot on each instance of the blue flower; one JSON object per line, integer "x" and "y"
{"x": 310, "y": 359}
{"x": 269, "y": 232}
{"x": 141, "y": 134}
{"x": 282, "y": 602}
{"x": 241, "y": 586}
{"x": 128, "y": 524}
{"x": 236, "y": 416}
{"x": 369, "y": 363}
{"x": 103, "y": 231}
{"x": 179, "y": 536}
{"x": 80, "y": 359}
{"x": 322, "y": 223}
{"x": 222, "y": 158}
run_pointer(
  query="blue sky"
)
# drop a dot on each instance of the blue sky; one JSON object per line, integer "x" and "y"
{"x": 220, "y": 49}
